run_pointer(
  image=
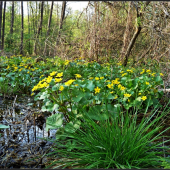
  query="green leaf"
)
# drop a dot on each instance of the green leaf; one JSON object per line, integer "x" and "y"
{"x": 3, "y": 126}
{"x": 55, "y": 121}
{"x": 72, "y": 127}
{"x": 96, "y": 113}
{"x": 55, "y": 87}
{"x": 2, "y": 79}
{"x": 78, "y": 98}
{"x": 90, "y": 86}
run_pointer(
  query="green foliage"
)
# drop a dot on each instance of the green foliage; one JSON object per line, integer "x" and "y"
{"x": 125, "y": 88}
{"x": 3, "y": 127}
{"x": 118, "y": 142}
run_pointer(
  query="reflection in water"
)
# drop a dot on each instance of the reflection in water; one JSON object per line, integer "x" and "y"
{"x": 27, "y": 125}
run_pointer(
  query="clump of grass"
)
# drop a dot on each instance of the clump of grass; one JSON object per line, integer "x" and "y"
{"x": 118, "y": 142}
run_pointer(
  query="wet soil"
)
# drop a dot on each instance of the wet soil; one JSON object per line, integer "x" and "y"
{"x": 22, "y": 146}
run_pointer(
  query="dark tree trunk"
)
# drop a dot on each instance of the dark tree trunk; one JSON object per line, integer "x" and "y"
{"x": 39, "y": 28}
{"x": 28, "y": 26}
{"x": 3, "y": 28}
{"x": 12, "y": 18}
{"x": 49, "y": 23}
{"x": 22, "y": 28}
{"x": 1, "y": 3}
{"x": 61, "y": 20}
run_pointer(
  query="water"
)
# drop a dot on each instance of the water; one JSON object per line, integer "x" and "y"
{"x": 21, "y": 141}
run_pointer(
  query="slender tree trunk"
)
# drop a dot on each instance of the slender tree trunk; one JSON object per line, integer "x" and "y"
{"x": 49, "y": 23}
{"x": 28, "y": 26}
{"x": 12, "y": 18}
{"x": 126, "y": 38}
{"x": 61, "y": 20}
{"x": 1, "y": 3}
{"x": 3, "y": 28}
{"x": 136, "y": 34}
{"x": 22, "y": 28}
{"x": 39, "y": 28}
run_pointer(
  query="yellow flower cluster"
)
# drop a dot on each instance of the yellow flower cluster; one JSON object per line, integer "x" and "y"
{"x": 147, "y": 83}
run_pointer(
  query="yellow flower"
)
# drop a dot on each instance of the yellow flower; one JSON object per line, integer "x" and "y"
{"x": 115, "y": 82}
{"x": 101, "y": 78}
{"x": 107, "y": 80}
{"x": 122, "y": 88}
{"x": 112, "y": 92}
{"x": 127, "y": 95}
{"x": 153, "y": 74}
{"x": 78, "y": 75}
{"x": 139, "y": 93}
{"x": 129, "y": 71}
{"x": 61, "y": 88}
{"x": 90, "y": 78}
{"x": 97, "y": 90}
{"x": 116, "y": 97}
{"x": 48, "y": 80}
{"x": 7, "y": 67}
{"x": 110, "y": 86}
{"x": 124, "y": 74}
{"x": 66, "y": 62}
{"x": 69, "y": 82}
{"x": 161, "y": 74}
{"x": 148, "y": 71}
{"x": 96, "y": 78}
{"x": 32, "y": 94}
{"x": 76, "y": 85}
{"x": 143, "y": 98}
{"x": 60, "y": 74}
{"x": 28, "y": 72}
{"x": 147, "y": 83}
{"x": 53, "y": 73}
{"x": 121, "y": 72}
{"x": 57, "y": 80}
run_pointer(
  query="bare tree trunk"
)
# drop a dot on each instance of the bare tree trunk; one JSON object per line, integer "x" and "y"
{"x": 126, "y": 38}
{"x": 3, "y": 28}
{"x": 12, "y": 23}
{"x": 61, "y": 20}
{"x": 49, "y": 23}
{"x": 28, "y": 25}
{"x": 12, "y": 18}
{"x": 1, "y": 3}
{"x": 22, "y": 28}
{"x": 39, "y": 28}
{"x": 135, "y": 35}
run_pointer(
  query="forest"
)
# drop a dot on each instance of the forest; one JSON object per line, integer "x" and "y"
{"x": 85, "y": 88}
